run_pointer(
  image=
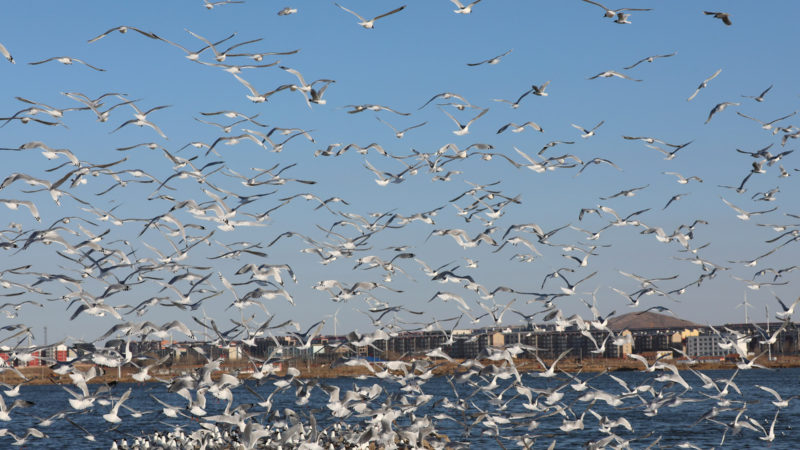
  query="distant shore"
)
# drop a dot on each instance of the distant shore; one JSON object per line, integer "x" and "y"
{"x": 45, "y": 376}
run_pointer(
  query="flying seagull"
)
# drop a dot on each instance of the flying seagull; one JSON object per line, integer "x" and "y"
{"x": 724, "y": 17}
{"x": 613, "y": 12}
{"x": 464, "y": 129}
{"x": 494, "y": 60}
{"x": 611, "y": 73}
{"x": 719, "y": 108}
{"x": 760, "y": 97}
{"x": 649, "y": 59}
{"x": 370, "y": 24}
{"x": 704, "y": 84}
{"x": 464, "y": 9}
{"x": 6, "y": 54}
{"x": 588, "y": 133}
{"x": 67, "y": 61}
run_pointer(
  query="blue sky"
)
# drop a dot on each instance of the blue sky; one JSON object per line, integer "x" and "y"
{"x": 409, "y": 57}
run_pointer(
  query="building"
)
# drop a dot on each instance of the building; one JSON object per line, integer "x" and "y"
{"x": 705, "y": 345}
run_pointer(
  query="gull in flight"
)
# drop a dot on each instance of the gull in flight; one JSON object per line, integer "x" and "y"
{"x": 361, "y": 108}
{"x": 539, "y": 90}
{"x": 68, "y": 61}
{"x": 140, "y": 119}
{"x": 589, "y": 133}
{"x": 14, "y": 204}
{"x": 112, "y": 416}
{"x": 220, "y": 56}
{"x": 720, "y": 107}
{"x": 724, "y": 17}
{"x": 611, "y": 73}
{"x": 210, "y": 5}
{"x": 464, "y": 9}
{"x": 400, "y": 133}
{"x": 674, "y": 198}
{"x": 550, "y": 371}
{"x": 255, "y": 96}
{"x": 6, "y": 54}
{"x": 611, "y": 12}
{"x": 520, "y": 128}
{"x": 515, "y": 104}
{"x": 494, "y": 60}
{"x": 649, "y": 59}
{"x": 625, "y": 193}
{"x": 704, "y": 84}
{"x": 287, "y": 11}
{"x": 370, "y": 24}
{"x": 760, "y": 97}
{"x": 766, "y": 125}
{"x": 464, "y": 129}
{"x": 744, "y": 215}
{"x": 123, "y": 29}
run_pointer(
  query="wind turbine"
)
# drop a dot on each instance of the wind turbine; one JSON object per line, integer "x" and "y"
{"x": 746, "y": 305}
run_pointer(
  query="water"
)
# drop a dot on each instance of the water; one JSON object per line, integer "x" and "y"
{"x": 672, "y": 424}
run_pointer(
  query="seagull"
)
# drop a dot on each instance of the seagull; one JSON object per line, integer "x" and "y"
{"x": 550, "y": 371}
{"x": 760, "y": 97}
{"x": 611, "y": 13}
{"x": 464, "y": 129}
{"x": 682, "y": 179}
{"x": 287, "y": 11}
{"x": 766, "y": 125}
{"x": 570, "y": 289}
{"x": 515, "y": 104}
{"x": 14, "y": 204}
{"x": 370, "y": 24}
{"x": 611, "y": 73}
{"x": 195, "y": 56}
{"x": 123, "y": 29}
{"x": 539, "y": 90}
{"x": 744, "y": 215}
{"x": 68, "y": 61}
{"x": 520, "y": 128}
{"x": 209, "y": 5}
{"x": 5, "y": 411}
{"x": 720, "y": 107}
{"x": 400, "y": 133}
{"x": 649, "y": 59}
{"x": 598, "y": 161}
{"x": 6, "y": 54}
{"x": 361, "y": 108}
{"x": 704, "y": 84}
{"x": 724, "y": 17}
{"x": 464, "y": 9}
{"x": 625, "y": 193}
{"x": 255, "y": 96}
{"x": 589, "y": 133}
{"x": 112, "y": 416}
{"x": 494, "y": 60}
{"x": 445, "y": 96}
{"x": 769, "y": 437}
{"x": 787, "y": 312}
{"x": 220, "y": 56}
{"x": 674, "y": 199}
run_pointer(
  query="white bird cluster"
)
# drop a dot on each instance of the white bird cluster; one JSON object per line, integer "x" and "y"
{"x": 141, "y": 240}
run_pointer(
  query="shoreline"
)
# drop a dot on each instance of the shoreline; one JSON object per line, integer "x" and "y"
{"x": 43, "y": 375}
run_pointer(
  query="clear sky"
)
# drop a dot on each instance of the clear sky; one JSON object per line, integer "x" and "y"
{"x": 407, "y": 58}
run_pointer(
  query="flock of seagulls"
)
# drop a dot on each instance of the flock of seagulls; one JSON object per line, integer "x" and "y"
{"x": 261, "y": 224}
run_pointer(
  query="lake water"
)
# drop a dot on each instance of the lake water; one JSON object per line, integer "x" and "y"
{"x": 674, "y": 425}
